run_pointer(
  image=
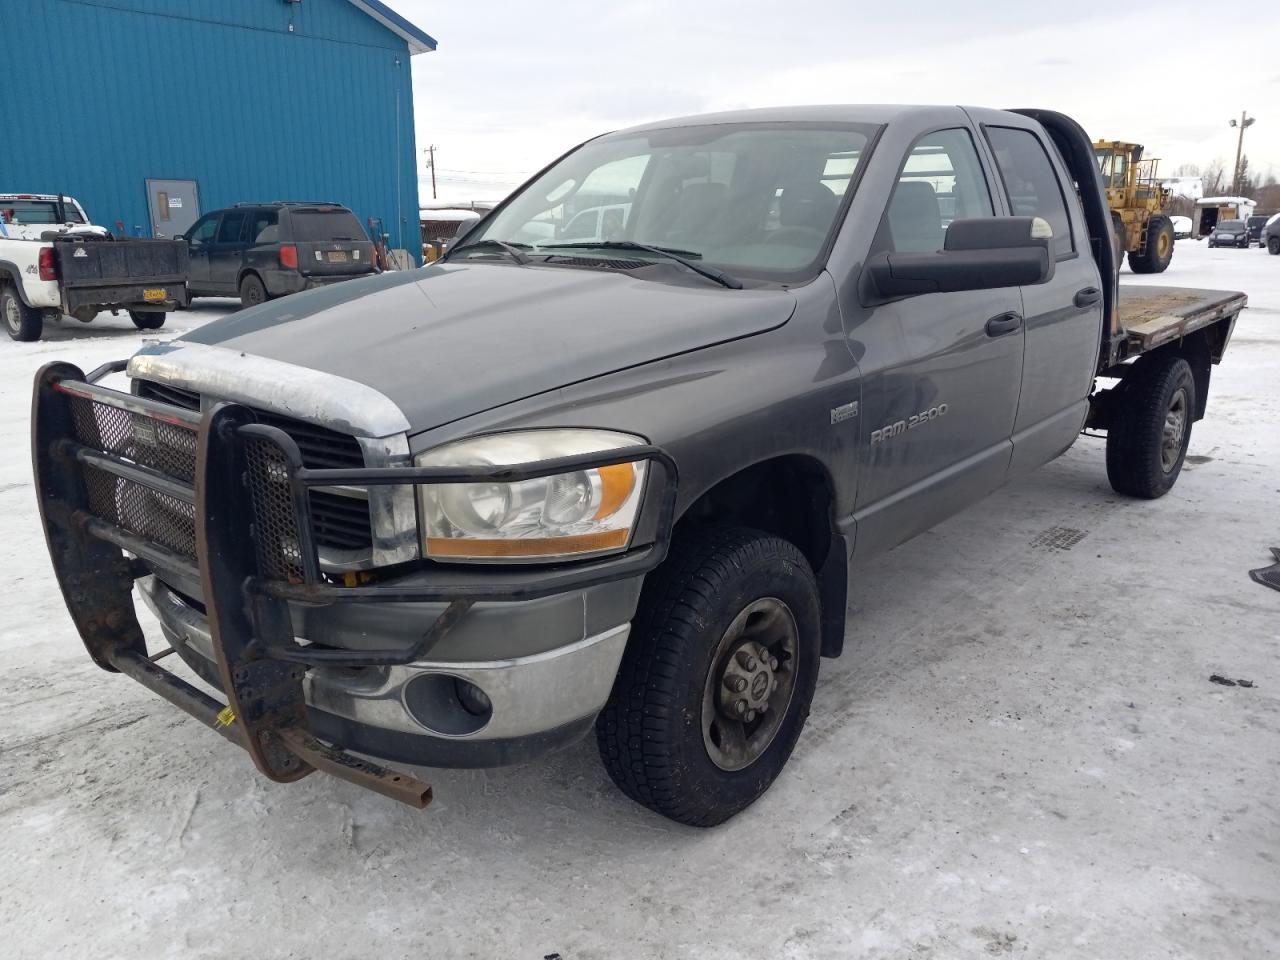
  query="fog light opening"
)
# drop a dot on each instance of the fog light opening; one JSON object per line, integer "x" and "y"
{"x": 447, "y": 705}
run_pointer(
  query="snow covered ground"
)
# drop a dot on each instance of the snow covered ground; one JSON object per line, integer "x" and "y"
{"x": 1020, "y": 754}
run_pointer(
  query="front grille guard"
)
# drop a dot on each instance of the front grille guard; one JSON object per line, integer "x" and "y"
{"x": 238, "y": 523}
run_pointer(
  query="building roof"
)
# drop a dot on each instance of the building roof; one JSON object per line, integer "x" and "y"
{"x": 418, "y": 39}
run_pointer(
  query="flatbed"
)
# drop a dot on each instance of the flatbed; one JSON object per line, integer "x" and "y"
{"x": 1151, "y": 317}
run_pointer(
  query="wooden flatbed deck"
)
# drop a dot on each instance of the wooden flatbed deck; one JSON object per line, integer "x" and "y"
{"x": 1151, "y": 316}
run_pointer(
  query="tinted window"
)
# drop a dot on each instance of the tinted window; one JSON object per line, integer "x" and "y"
{"x": 1230, "y": 224}
{"x": 330, "y": 223}
{"x": 203, "y": 231}
{"x": 39, "y": 211}
{"x": 229, "y": 231}
{"x": 265, "y": 228}
{"x": 1030, "y": 180}
{"x": 941, "y": 181}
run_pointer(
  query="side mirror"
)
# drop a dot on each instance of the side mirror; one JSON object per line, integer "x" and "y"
{"x": 465, "y": 227}
{"x": 979, "y": 254}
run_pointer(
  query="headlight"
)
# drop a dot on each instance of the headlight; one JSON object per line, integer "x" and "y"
{"x": 579, "y": 514}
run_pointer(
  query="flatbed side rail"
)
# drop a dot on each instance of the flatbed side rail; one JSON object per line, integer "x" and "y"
{"x": 126, "y": 484}
{"x": 1151, "y": 317}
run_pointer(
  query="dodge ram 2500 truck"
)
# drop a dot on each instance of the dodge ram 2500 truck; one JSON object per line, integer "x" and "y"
{"x": 462, "y": 515}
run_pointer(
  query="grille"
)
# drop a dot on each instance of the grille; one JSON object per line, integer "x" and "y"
{"x": 165, "y": 447}
{"x": 275, "y": 524}
{"x": 338, "y": 522}
{"x": 153, "y": 443}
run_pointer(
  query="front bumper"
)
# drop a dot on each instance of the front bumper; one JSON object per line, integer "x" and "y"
{"x": 411, "y": 713}
{"x": 129, "y": 486}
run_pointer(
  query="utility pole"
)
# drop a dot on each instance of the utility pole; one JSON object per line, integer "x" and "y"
{"x": 1245, "y": 121}
{"x": 431, "y": 162}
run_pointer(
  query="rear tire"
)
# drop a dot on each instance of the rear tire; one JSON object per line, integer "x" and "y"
{"x": 1273, "y": 246}
{"x": 146, "y": 320}
{"x": 731, "y": 617}
{"x": 1158, "y": 251}
{"x": 1147, "y": 442}
{"x": 23, "y": 323}
{"x": 252, "y": 291}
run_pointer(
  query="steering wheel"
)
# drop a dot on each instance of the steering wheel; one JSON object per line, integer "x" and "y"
{"x": 794, "y": 236}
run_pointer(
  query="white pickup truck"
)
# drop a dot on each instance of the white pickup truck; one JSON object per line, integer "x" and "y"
{"x": 54, "y": 263}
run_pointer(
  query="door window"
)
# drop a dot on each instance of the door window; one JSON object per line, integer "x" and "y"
{"x": 941, "y": 181}
{"x": 203, "y": 231}
{"x": 229, "y": 231}
{"x": 266, "y": 228}
{"x": 1029, "y": 179}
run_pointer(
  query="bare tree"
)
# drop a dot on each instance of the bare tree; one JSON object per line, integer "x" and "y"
{"x": 1214, "y": 178}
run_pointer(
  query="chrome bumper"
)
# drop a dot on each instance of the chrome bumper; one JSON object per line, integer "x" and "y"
{"x": 530, "y": 696}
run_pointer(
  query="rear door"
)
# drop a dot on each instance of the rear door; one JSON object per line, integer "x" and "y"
{"x": 1063, "y": 318}
{"x": 330, "y": 241}
{"x": 227, "y": 253}
{"x": 941, "y": 371}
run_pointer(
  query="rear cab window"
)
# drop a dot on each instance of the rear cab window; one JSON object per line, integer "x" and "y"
{"x": 31, "y": 212}
{"x": 321, "y": 224}
{"x": 1031, "y": 182}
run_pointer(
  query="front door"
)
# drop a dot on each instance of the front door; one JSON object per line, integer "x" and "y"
{"x": 941, "y": 371}
{"x": 1063, "y": 318}
{"x": 200, "y": 244}
{"x": 174, "y": 206}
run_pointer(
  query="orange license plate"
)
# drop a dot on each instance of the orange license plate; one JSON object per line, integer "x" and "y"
{"x": 154, "y": 294}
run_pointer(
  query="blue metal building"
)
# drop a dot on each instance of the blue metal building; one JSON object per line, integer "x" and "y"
{"x": 142, "y": 109}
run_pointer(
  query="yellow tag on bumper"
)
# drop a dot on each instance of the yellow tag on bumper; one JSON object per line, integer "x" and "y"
{"x": 154, "y": 294}
{"x": 226, "y": 717}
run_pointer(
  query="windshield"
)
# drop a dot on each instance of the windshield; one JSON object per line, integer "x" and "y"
{"x": 1231, "y": 225}
{"x": 325, "y": 224}
{"x": 38, "y": 211}
{"x": 756, "y": 199}
{"x": 1257, "y": 221}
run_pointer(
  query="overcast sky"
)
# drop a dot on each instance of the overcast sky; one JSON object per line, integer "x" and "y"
{"x": 514, "y": 85}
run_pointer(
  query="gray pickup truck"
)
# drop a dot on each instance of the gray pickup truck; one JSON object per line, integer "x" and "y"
{"x": 463, "y": 515}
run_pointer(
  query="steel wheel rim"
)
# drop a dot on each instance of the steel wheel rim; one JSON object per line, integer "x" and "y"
{"x": 11, "y": 315}
{"x": 766, "y": 632}
{"x": 1163, "y": 244}
{"x": 1175, "y": 428}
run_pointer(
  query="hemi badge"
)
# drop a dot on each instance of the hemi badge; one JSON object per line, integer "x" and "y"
{"x": 846, "y": 412}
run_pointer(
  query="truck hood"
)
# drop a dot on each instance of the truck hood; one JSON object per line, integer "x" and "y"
{"x": 453, "y": 340}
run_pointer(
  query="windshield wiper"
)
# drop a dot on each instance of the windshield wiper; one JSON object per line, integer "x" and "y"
{"x": 681, "y": 257}
{"x": 510, "y": 249}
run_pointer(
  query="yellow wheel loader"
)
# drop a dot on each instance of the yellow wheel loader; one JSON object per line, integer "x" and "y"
{"x": 1136, "y": 200}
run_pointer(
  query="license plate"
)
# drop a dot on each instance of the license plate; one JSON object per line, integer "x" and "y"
{"x": 337, "y": 256}
{"x": 154, "y": 294}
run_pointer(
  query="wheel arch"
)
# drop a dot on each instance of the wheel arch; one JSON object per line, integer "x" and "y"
{"x": 10, "y": 274}
{"x": 791, "y": 496}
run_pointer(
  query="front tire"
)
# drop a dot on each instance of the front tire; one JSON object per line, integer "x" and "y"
{"x": 1157, "y": 253}
{"x": 22, "y": 322}
{"x": 1147, "y": 443}
{"x": 1273, "y": 246}
{"x": 716, "y": 682}
{"x": 146, "y": 320}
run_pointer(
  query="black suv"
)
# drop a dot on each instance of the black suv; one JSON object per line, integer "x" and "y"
{"x": 265, "y": 250}
{"x": 1229, "y": 233}
{"x": 1254, "y": 227}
